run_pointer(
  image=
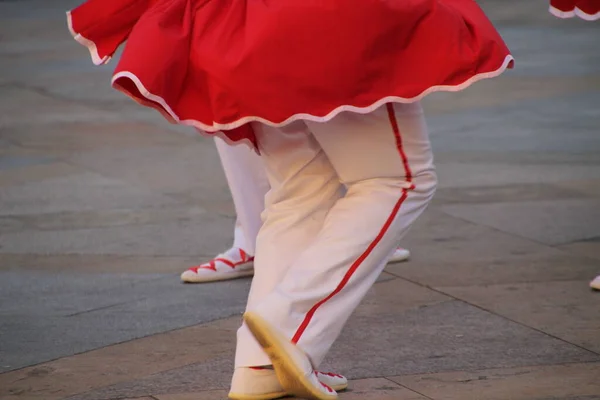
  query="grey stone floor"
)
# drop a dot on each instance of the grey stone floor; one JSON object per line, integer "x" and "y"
{"x": 103, "y": 204}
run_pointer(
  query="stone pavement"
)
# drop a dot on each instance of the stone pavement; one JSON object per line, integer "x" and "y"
{"x": 103, "y": 204}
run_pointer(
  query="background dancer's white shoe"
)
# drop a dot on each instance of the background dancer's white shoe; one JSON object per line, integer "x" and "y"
{"x": 232, "y": 264}
{"x": 400, "y": 254}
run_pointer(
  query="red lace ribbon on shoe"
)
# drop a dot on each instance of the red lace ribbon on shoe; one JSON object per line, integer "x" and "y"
{"x": 330, "y": 374}
{"x": 212, "y": 264}
{"x": 330, "y": 390}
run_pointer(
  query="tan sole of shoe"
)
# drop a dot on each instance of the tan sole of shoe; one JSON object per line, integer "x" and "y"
{"x": 339, "y": 388}
{"x": 267, "y": 396}
{"x": 290, "y": 376}
{"x": 273, "y": 396}
{"x": 217, "y": 278}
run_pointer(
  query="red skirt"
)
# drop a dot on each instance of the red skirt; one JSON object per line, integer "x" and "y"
{"x": 585, "y": 9}
{"x": 220, "y": 64}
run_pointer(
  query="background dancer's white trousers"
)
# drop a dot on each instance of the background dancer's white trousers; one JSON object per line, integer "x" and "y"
{"x": 245, "y": 173}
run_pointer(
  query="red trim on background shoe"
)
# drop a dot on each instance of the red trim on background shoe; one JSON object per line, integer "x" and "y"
{"x": 244, "y": 256}
{"x": 330, "y": 390}
{"x": 212, "y": 263}
{"x": 382, "y": 232}
{"x": 329, "y": 374}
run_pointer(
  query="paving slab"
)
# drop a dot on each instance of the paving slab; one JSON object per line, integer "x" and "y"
{"x": 425, "y": 337}
{"x": 77, "y": 140}
{"x": 564, "y": 309}
{"x": 462, "y": 174}
{"x": 446, "y": 336}
{"x": 212, "y": 375}
{"x": 121, "y": 362}
{"x": 85, "y": 191}
{"x": 555, "y": 43}
{"x": 36, "y": 173}
{"x": 107, "y": 203}
{"x": 395, "y": 297}
{"x": 507, "y": 194}
{"x": 419, "y": 331}
{"x": 591, "y": 187}
{"x": 82, "y": 312}
{"x": 16, "y": 103}
{"x": 173, "y": 238}
{"x": 553, "y": 266}
{"x": 589, "y": 248}
{"x": 550, "y": 222}
{"x": 378, "y": 389}
{"x": 8, "y": 163}
{"x": 564, "y": 382}
{"x": 449, "y": 251}
{"x": 111, "y": 308}
{"x": 165, "y": 169}
{"x": 546, "y": 158}
{"x": 215, "y": 373}
{"x": 99, "y": 264}
{"x": 508, "y": 90}
{"x": 69, "y": 220}
{"x": 535, "y": 126}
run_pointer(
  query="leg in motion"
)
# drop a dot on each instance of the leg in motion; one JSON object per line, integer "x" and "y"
{"x": 385, "y": 160}
{"x": 304, "y": 187}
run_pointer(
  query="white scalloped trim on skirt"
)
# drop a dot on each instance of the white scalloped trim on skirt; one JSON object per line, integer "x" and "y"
{"x": 91, "y": 46}
{"x": 575, "y": 13}
{"x": 216, "y": 126}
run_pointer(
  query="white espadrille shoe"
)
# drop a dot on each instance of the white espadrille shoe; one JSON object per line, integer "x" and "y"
{"x": 232, "y": 264}
{"x": 400, "y": 254}
{"x": 292, "y": 366}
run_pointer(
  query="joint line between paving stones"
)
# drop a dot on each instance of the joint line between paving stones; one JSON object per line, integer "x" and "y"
{"x": 103, "y": 105}
{"x": 494, "y": 313}
{"x": 595, "y": 238}
{"x": 443, "y": 371}
{"x": 96, "y": 309}
{"x": 555, "y": 247}
{"x": 126, "y": 341}
{"x": 407, "y": 388}
{"x": 180, "y": 199}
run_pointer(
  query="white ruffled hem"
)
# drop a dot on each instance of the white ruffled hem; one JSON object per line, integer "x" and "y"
{"x": 216, "y": 126}
{"x": 91, "y": 46}
{"x": 576, "y": 12}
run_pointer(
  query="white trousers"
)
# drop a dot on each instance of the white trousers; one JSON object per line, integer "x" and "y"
{"x": 321, "y": 248}
{"x": 247, "y": 180}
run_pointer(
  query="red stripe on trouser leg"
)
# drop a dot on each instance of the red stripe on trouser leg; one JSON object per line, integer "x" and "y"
{"x": 396, "y": 129}
{"x": 382, "y": 232}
